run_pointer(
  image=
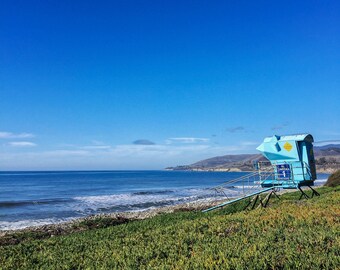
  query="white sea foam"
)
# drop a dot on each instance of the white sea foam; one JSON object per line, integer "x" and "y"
{"x": 141, "y": 201}
{"x": 15, "y": 225}
{"x": 120, "y": 199}
{"x": 128, "y": 199}
{"x": 320, "y": 182}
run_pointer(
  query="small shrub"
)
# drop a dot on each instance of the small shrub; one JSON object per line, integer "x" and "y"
{"x": 333, "y": 179}
{"x": 102, "y": 222}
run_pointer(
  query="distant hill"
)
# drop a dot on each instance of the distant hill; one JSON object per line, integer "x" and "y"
{"x": 223, "y": 163}
{"x": 327, "y": 160}
{"x": 224, "y": 160}
{"x": 327, "y": 150}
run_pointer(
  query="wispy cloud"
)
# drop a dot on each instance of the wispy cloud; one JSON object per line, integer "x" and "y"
{"x": 248, "y": 143}
{"x": 10, "y": 135}
{"x": 64, "y": 153}
{"x": 330, "y": 133}
{"x": 95, "y": 147}
{"x": 96, "y": 142}
{"x": 280, "y": 126}
{"x": 235, "y": 129}
{"x": 321, "y": 143}
{"x": 143, "y": 142}
{"x": 187, "y": 140}
{"x": 22, "y": 144}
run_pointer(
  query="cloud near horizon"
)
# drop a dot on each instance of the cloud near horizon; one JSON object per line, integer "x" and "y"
{"x": 326, "y": 142}
{"x": 143, "y": 142}
{"x": 187, "y": 140}
{"x": 117, "y": 157}
{"x": 95, "y": 147}
{"x": 22, "y": 144}
{"x": 248, "y": 143}
{"x": 10, "y": 135}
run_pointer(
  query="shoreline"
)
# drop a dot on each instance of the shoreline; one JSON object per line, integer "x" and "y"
{"x": 13, "y": 236}
{"x": 128, "y": 216}
{"x": 7, "y": 237}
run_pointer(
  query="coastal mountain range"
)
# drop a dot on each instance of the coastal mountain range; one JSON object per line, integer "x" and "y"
{"x": 327, "y": 159}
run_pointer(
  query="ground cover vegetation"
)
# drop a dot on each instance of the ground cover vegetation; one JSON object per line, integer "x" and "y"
{"x": 334, "y": 179}
{"x": 289, "y": 234}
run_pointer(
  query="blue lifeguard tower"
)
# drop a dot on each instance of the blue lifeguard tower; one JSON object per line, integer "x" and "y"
{"x": 292, "y": 161}
{"x": 290, "y": 165}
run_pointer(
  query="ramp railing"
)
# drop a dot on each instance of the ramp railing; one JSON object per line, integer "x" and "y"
{"x": 244, "y": 185}
{"x": 257, "y": 193}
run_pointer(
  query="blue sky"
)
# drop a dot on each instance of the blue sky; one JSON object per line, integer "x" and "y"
{"x": 150, "y": 84}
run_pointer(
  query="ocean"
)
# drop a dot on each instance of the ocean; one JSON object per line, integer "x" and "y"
{"x": 38, "y": 198}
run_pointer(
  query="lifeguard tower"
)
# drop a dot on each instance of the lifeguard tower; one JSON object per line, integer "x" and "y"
{"x": 292, "y": 161}
{"x": 290, "y": 165}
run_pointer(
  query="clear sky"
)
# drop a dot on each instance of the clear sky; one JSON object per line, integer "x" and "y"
{"x": 150, "y": 84}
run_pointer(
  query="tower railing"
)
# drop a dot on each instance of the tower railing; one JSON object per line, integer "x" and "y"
{"x": 299, "y": 172}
